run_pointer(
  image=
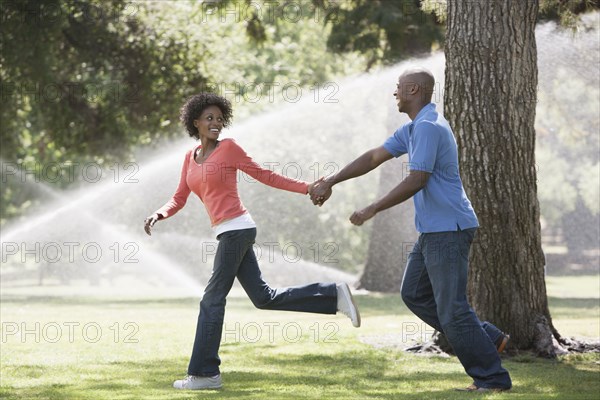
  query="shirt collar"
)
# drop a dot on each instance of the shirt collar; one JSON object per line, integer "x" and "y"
{"x": 429, "y": 107}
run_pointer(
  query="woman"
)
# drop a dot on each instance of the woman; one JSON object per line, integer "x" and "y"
{"x": 210, "y": 171}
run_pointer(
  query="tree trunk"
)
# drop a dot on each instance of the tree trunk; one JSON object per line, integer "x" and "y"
{"x": 490, "y": 101}
{"x": 392, "y": 237}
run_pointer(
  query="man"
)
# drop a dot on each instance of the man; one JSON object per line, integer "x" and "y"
{"x": 435, "y": 281}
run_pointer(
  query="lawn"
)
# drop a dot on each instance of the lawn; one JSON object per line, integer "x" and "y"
{"x": 121, "y": 344}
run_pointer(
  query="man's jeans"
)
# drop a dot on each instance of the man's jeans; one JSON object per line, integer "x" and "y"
{"x": 434, "y": 288}
{"x": 235, "y": 258}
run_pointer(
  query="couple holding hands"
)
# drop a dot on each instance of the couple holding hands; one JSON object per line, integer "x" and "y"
{"x": 434, "y": 284}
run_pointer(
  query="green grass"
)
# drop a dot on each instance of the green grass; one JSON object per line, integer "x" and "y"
{"x": 329, "y": 360}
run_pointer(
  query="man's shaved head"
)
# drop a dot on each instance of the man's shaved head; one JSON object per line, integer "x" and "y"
{"x": 421, "y": 77}
{"x": 414, "y": 90}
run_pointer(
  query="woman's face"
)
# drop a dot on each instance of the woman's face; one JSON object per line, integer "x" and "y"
{"x": 210, "y": 123}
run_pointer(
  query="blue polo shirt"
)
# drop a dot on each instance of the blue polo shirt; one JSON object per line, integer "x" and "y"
{"x": 442, "y": 205}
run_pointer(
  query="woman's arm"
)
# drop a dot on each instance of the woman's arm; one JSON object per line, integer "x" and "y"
{"x": 176, "y": 202}
{"x": 244, "y": 163}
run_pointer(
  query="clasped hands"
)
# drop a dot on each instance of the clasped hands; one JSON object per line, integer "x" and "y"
{"x": 320, "y": 191}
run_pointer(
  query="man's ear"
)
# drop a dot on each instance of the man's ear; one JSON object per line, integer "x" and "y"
{"x": 414, "y": 88}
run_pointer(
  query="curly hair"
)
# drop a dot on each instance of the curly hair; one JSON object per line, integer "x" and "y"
{"x": 194, "y": 106}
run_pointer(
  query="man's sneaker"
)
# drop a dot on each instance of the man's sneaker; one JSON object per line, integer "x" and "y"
{"x": 346, "y": 304}
{"x": 501, "y": 342}
{"x": 192, "y": 382}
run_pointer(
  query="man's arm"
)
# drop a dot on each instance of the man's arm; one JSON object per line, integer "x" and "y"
{"x": 360, "y": 166}
{"x": 414, "y": 182}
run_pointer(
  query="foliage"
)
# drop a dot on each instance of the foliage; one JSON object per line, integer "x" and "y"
{"x": 384, "y": 30}
{"x": 254, "y": 72}
{"x": 86, "y": 81}
{"x": 381, "y": 30}
{"x": 83, "y": 81}
{"x": 84, "y": 77}
{"x": 185, "y": 47}
{"x": 439, "y": 8}
{"x": 567, "y": 12}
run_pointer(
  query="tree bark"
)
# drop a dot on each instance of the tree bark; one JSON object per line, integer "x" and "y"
{"x": 490, "y": 102}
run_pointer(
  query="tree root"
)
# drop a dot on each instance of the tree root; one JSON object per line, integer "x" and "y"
{"x": 547, "y": 344}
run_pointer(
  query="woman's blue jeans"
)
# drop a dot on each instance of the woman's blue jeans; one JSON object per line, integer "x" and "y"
{"x": 235, "y": 258}
{"x": 434, "y": 287}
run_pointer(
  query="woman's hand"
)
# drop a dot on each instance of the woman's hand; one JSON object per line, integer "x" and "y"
{"x": 150, "y": 221}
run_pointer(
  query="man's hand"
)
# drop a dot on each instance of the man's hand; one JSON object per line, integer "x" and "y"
{"x": 149, "y": 223}
{"x": 320, "y": 191}
{"x": 361, "y": 216}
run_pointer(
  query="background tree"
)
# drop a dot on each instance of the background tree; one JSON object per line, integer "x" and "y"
{"x": 392, "y": 232}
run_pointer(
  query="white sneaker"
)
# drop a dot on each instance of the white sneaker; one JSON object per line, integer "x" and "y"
{"x": 192, "y": 382}
{"x": 346, "y": 304}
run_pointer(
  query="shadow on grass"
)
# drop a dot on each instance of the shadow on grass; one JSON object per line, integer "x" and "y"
{"x": 354, "y": 375}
